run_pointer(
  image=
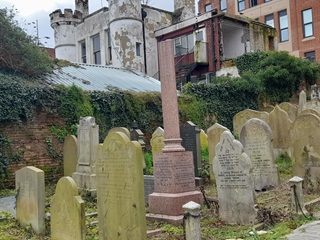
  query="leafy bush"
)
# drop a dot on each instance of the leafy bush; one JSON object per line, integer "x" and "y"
{"x": 19, "y": 53}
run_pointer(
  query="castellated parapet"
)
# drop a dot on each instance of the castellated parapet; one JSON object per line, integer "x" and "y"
{"x": 67, "y": 18}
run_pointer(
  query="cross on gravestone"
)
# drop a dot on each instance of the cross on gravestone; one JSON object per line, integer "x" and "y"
{"x": 121, "y": 209}
{"x": 67, "y": 212}
{"x": 190, "y": 134}
{"x": 256, "y": 137}
{"x": 30, "y": 201}
{"x": 235, "y": 185}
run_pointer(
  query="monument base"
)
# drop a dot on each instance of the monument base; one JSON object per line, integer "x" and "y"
{"x": 174, "y": 220}
{"x": 168, "y": 206}
{"x": 85, "y": 181}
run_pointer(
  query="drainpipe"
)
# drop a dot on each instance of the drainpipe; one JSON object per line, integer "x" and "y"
{"x": 213, "y": 46}
{"x": 144, "y": 15}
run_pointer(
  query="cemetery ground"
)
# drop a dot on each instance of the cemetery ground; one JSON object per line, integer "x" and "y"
{"x": 274, "y": 214}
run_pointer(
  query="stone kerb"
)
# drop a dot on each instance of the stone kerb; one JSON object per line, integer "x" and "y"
{"x": 242, "y": 117}
{"x": 214, "y": 134}
{"x": 280, "y": 124}
{"x": 67, "y": 212}
{"x": 235, "y": 185}
{"x": 30, "y": 202}
{"x": 88, "y": 140}
{"x": 70, "y": 155}
{"x": 305, "y": 146}
{"x": 121, "y": 209}
{"x": 256, "y": 137}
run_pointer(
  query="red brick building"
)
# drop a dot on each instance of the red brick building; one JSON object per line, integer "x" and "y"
{"x": 297, "y": 21}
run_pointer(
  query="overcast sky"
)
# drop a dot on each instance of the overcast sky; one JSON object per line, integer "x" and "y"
{"x": 30, "y": 11}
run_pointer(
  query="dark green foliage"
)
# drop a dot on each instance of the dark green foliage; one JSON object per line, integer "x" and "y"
{"x": 20, "y": 98}
{"x": 224, "y": 99}
{"x": 73, "y": 103}
{"x": 7, "y": 156}
{"x": 19, "y": 53}
{"x": 149, "y": 164}
{"x": 250, "y": 62}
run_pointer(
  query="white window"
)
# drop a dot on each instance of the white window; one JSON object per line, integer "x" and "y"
{"x": 269, "y": 19}
{"x": 184, "y": 45}
{"x": 208, "y": 7}
{"x": 241, "y": 5}
{"x": 96, "y": 49}
{"x": 283, "y": 26}
{"x": 223, "y": 5}
{"x": 307, "y": 23}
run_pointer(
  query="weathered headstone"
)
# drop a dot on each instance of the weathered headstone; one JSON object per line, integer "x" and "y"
{"x": 235, "y": 186}
{"x": 173, "y": 167}
{"x": 242, "y": 117}
{"x": 315, "y": 92}
{"x": 256, "y": 138}
{"x": 280, "y": 125}
{"x": 305, "y": 147}
{"x": 88, "y": 139}
{"x": 148, "y": 186}
{"x": 310, "y": 111}
{"x": 203, "y": 139}
{"x": 214, "y": 134}
{"x": 137, "y": 135}
{"x": 70, "y": 155}
{"x": 121, "y": 208}
{"x": 67, "y": 212}
{"x": 120, "y": 129}
{"x": 190, "y": 134}
{"x": 157, "y": 141}
{"x": 302, "y": 101}
{"x": 30, "y": 202}
{"x": 290, "y": 109}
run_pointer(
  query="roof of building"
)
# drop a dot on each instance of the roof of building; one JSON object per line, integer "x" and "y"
{"x": 103, "y": 78}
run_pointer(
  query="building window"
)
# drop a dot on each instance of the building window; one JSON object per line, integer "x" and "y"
{"x": 307, "y": 23}
{"x": 311, "y": 56}
{"x": 83, "y": 52}
{"x": 199, "y": 36}
{"x": 138, "y": 49}
{"x": 223, "y": 5}
{"x": 96, "y": 49}
{"x": 269, "y": 20}
{"x": 241, "y": 5}
{"x": 184, "y": 45}
{"x": 208, "y": 7}
{"x": 283, "y": 26}
{"x": 109, "y": 46}
{"x": 267, "y": 1}
{"x": 253, "y": 3}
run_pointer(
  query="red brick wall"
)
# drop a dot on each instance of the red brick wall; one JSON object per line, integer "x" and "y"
{"x": 298, "y": 41}
{"x": 30, "y": 140}
{"x": 203, "y": 3}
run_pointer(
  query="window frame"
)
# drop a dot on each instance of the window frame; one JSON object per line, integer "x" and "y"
{"x": 253, "y": 3}
{"x": 208, "y": 7}
{"x": 241, "y": 2}
{"x": 138, "y": 49}
{"x": 266, "y": 20}
{"x": 83, "y": 51}
{"x": 311, "y": 57}
{"x": 304, "y": 24}
{"x": 96, "y": 51}
{"x": 281, "y": 28}
{"x": 226, "y": 6}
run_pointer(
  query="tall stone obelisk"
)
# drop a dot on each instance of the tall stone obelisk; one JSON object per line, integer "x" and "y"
{"x": 173, "y": 167}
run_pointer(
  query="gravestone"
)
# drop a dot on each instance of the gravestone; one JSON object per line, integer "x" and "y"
{"x": 242, "y": 117}
{"x": 67, "y": 212}
{"x": 310, "y": 111}
{"x": 157, "y": 141}
{"x": 120, "y": 129}
{"x": 30, "y": 200}
{"x": 290, "y": 109}
{"x": 256, "y": 138}
{"x": 302, "y": 101}
{"x": 190, "y": 134}
{"x": 148, "y": 186}
{"x": 214, "y": 134}
{"x": 235, "y": 185}
{"x": 88, "y": 140}
{"x": 173, "y": 167}
{"x": 137, "y": 135}
{"x": 280, "y": 125}
{"x": 203, "y": 139}
{"x": 315, "y": 92}
{"x": 121, "y": 208}
{"x": 305, "y": 145}
{"x": 70, "y": 155}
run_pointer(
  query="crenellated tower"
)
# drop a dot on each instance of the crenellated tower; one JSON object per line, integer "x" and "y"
{"x": 126, "y": 34}
{"x": 82, "y": 6}
{"x": 185, "y": 9}
{"x": 64, "y": 28}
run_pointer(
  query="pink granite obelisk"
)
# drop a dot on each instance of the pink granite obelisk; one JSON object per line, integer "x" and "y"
{"x": 173, "y": 167}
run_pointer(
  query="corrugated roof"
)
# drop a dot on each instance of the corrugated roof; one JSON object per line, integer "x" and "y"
{"x": 103, "y": 78}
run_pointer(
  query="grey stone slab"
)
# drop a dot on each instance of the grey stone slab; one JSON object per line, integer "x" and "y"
{"x": 8, "y": 204}
{"x": 309, "y": 231}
